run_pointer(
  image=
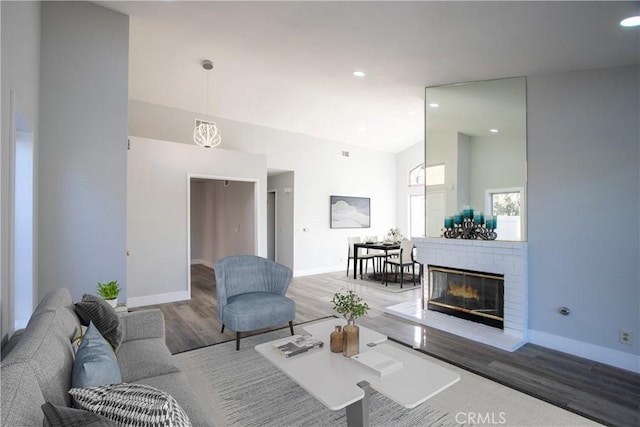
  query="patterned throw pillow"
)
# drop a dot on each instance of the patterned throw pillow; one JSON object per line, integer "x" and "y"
{"x": 62, "y": 416}
{"x": 132, "y": 404}
{"x": 94, "y": 309}
{"x": 95, "y": 363}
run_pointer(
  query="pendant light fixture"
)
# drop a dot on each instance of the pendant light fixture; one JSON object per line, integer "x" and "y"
{"x": 205, "y": 133}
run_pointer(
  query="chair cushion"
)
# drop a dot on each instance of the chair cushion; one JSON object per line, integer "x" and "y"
{"x": 255, "y": 310}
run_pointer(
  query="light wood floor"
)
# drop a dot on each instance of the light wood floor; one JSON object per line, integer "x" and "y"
{"x": 600, "y": 392}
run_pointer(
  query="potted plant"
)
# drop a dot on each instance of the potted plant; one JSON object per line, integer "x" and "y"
{"x": 394, "y": 235}
{"x": 350, "y": 306}
{"x": 109, "y": 292}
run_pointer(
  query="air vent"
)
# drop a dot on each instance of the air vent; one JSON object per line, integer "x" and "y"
{"x": 345, "y": 153}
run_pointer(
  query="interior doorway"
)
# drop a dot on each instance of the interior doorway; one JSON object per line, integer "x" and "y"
{"x": 222, "y": 218}
{"x": 272, "y": 225}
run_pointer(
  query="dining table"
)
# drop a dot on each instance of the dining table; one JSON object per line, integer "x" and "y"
{"x": 383, "y": 246}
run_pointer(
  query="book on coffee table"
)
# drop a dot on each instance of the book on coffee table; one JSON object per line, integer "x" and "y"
{"x": 297, "y": 344}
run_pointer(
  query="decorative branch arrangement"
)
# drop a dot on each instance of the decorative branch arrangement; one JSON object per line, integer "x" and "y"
{"x": 470, "y": 225}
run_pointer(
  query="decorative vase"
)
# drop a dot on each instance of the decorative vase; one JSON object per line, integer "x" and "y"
{"x": 336, "y": 340}
{"x": 112, "y": 302}
{"x": 351, "y": 339}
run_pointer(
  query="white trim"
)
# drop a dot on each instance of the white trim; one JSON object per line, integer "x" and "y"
{"x": 312, "y": 271}
{"x": 204, "y": 262}
{"x": 158, "y": 299}
{"x": 619, "y": 359}
{"x": 275, "y": 225}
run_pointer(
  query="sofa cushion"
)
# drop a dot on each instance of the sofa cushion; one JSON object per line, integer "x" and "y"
{"x": 95, "y": 362}
{"x": 95, "y": 309}
{"x": 132, "y": 404}
{"x": 46, "y": 347}
{"x": 178, "y": 386}
{"x": 61, "y": 416}
{"x": 145, "y": 358}
{"x": 20, "y": 394}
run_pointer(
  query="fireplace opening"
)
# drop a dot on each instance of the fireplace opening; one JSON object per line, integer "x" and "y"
{"x": 470, "y": 295}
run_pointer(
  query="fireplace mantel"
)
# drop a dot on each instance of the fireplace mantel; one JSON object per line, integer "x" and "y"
{"x": 497, "y": 257}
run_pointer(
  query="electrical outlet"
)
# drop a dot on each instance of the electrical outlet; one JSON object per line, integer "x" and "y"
{"x": 624, "y": 336}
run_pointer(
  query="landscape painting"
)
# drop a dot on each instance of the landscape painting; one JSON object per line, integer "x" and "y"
{"x": 350, "y": 212}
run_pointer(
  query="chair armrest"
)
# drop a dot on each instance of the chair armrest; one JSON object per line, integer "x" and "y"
{"x": 142, "y": 324}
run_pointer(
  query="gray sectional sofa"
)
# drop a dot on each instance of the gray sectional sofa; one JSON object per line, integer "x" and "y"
{"x": 37, "y": 361}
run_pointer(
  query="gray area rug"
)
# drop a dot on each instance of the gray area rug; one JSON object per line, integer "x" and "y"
{"x": 241, "y": 388}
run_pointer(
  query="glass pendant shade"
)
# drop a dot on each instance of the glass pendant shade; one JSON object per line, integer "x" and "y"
{"x": 206, "y": 134}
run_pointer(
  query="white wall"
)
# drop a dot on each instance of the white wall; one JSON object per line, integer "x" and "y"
{"x": 320, "y": 171}
{"x": 158, "y": 175}
{"x": 19, "y": 72}
{"x": 584, "y": 205}
{"x": 83, "y": 146}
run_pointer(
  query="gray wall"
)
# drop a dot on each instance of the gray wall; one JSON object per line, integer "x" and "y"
{"x": 83, "y": 140}
{"x": 20, "y": 68}
{"x": 584, "y": 186}
{"x": 284, "y": 216}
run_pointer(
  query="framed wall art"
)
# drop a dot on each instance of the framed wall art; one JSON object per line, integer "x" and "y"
{"x": 350, "y": 212}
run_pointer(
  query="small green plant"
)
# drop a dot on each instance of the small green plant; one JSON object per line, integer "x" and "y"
{"x": 349, "y": 305}
{"x": 109, "y": 290}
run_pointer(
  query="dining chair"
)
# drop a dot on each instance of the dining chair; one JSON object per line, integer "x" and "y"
{"x": 362, "y": 255}
{"x": 379, "y": 254}
{"x": 405, "y": 259}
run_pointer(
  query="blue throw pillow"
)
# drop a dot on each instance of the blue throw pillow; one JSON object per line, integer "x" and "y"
{"x": 95, "y": 362}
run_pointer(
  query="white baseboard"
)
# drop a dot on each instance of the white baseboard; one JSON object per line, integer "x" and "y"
{"x": 312, "y": 271}
{"x": 203, "y": 262}
{"x": 158, "y": 299}
{"x": 619, "y": 359}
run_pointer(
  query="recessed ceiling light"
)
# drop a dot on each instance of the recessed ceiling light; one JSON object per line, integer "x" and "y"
{"x": 359, "y": 73}
{"x": 411, "y": 113}
{"x": 434, "y": 105}
{"x": 493, "y": 130}
{"x": 362, "y": 128}
{"x": 632, "y": 21}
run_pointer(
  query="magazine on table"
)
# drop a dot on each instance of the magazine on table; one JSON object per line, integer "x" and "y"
{"x": 297, "y": 344}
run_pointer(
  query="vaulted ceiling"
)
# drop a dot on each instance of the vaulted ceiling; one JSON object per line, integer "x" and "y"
{"x": 289, "y": 65}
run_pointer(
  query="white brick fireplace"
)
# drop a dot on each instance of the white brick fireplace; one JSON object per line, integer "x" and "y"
{"x": 506, "y": 258}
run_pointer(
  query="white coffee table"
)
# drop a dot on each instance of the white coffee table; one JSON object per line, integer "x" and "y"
{"x": 339, "y": 382}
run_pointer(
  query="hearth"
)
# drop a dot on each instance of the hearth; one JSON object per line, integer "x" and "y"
{"x": 471, "y": 295}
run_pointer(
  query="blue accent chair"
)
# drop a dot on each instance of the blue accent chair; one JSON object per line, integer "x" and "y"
{"x": 250, "y": 292}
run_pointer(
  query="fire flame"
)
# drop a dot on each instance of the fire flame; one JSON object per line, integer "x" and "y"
{"x": 464, "y": 291}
